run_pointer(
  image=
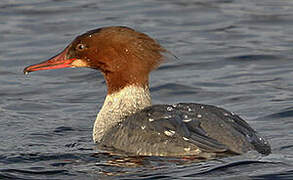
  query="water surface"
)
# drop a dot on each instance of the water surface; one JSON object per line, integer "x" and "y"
{"x": 234, "y": 54}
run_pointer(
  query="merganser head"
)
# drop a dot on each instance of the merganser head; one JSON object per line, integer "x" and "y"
{"x": 123, "y": 55}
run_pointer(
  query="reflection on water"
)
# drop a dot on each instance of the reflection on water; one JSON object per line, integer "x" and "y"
{"x": 235, "y": 54}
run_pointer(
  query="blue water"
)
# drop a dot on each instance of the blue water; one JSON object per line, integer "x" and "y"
{"x": 236, "y": 54}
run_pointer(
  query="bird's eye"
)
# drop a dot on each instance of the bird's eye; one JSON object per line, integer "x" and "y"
{"x": 80, "y": 47}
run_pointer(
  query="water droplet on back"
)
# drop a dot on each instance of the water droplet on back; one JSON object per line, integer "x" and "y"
{"x": 186, "y": 120}
{"x": 151, "y": 119}
{"x": 185, "y": 139}
{"x": 169, "y": 133}
{"x": 169, "y": 108}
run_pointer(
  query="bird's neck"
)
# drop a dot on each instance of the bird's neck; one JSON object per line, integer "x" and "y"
{"x": 119, "y": 105}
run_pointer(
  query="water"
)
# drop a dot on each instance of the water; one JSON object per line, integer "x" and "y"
{"x": 235, "y": 54}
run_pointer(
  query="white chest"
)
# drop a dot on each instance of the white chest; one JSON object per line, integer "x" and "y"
{"x": 117, "y": 106}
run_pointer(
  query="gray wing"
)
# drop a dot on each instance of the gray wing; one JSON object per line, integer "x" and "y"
{"x": 184, "y": 129}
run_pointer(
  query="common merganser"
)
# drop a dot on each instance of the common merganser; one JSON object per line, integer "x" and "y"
{"x": 128, "y": 122}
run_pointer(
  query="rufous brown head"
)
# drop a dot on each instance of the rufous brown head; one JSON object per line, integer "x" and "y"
{"x": 123, "y": 55}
